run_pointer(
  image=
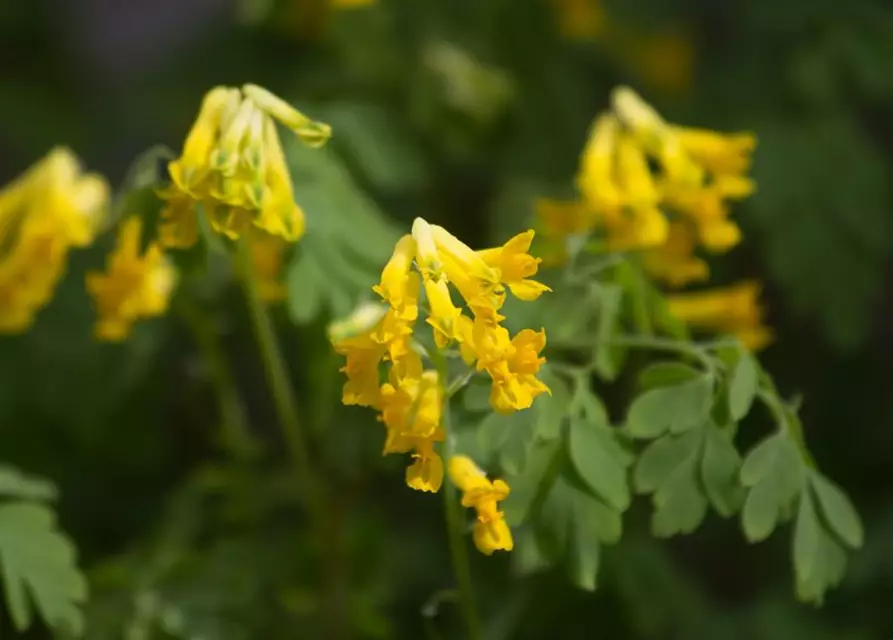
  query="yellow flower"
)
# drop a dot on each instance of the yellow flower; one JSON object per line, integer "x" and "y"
{"x": 734, "y": 309}
{"x": 656, "y": 136}
{"x": 675, "y": 262}
{"x": 45, "y": 212}
{"x": 443, "y": 314}
{"x": 597, "y": 176}
{"x": 516, "y": 266}
{"x": 267, "y": 255}
{"x": 379, "y": 337}
{"x": 722, "y": 154}
{"x": 137, "y": 284}
{"x": 412, "y": 409}
{"x": 233, "y": 169}
{"x": 477, "y": 283}
{"x": 490, "y": 533}
{"x": 399, "y": 284}
{"x": 511, "y": 363}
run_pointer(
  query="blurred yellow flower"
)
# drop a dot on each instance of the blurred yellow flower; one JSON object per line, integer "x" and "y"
{"x": 491, "y": 532}
{"x": 734, "y": 309}
{"x": 45, "y": 212}
{"x": 137, "y": 284}
{"x": 233, "y": 169}
{"x": 656, "y": 188}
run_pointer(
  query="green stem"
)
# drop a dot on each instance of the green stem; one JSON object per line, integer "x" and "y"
{"x": 459, "y": 551}
{"x": 792, "y": 427}
{"x": 454, "y": 520}
{"x": 235, "y": 434}
{"x": 653, "y": 343}
{"x": 280, "y": 383}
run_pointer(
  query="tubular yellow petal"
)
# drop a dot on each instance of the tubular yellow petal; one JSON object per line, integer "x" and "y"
{"x": 314, "y": 134}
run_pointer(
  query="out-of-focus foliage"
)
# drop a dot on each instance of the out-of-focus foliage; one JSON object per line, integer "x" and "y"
{"x": 463, "y": 112}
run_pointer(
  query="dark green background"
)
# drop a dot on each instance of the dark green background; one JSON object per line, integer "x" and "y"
{"x": 168, "y": 526}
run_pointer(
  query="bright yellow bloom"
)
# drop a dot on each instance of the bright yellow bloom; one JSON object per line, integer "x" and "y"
{"x": 490, "y": 533}
{"x": 233, "y": 168}
{"x": 137, "y": 284}
{"x": 267, "y": 255}
{"x": 45, "y": 212}
{"x": 412, "y": 409}
{"x": 734, "y": 309}
{"x": 380, "y": 337}
{"x": 476, "y": 281}
{"x": 597, "y": 177}
{"x": 511, "y": 363}
{"x": 516, "y": 266}
{"x": 399, "y": 284}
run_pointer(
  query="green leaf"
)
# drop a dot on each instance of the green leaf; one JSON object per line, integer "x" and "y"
{"x": 305, "y": 282}
{"x": 16, "y": 484}
{"x": 510, "y": 437}
{"x": 571, "y": 315}
{"x": 593, "y": 453}
{"x": 665, "y": 374}
{"x": 680, "y": 504}
{"x": 585, "y": 550}
{"x": 533, "y": 481}
{"x": 837, "y": 510}
{"x": 675, "y": 408}
{"x": 661, "y": 458}
{"x": 379, "y": 144}
{"x": 720, "y": 467}
{"x": 743, "y": 382}
{"x": 551, "y": 409}
{"x": 476, "y": 395}
{"x": 38, "y": 562}
{"x": 347, "y": 241}
{"x": 819, "y": 560}
{"x": 527, "y": 557}
{"x": 774, "y": 472}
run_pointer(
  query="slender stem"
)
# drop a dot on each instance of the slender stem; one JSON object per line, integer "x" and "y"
{"x": 279, "y": 380}
{"x": 791, "y": 427}
{"x": 653, "y": 343}
{"x": 235, "y": 434}
{"x": 453, "y": 512}
{"x": 326, "y": 523}
{"x": 459, "y": 551}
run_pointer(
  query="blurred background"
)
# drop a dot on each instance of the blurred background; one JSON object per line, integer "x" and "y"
{"x": 464, "y": 111}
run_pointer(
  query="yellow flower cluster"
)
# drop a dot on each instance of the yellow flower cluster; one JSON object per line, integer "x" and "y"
{"x": 48, "y": 210}
{"x": 734, "y": 309}
{"x": 411, "y": 400}
{"x": 663, "y": 190}
{"x": 233, "y": 169}
{"x": 490, "y": 532}
{"x": 138, "y": 283}
{"x": 658, "y": 188}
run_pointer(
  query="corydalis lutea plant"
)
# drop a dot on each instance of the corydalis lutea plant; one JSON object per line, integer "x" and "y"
{"x": 651, "y": 194}
{"x": 412, "y": 399}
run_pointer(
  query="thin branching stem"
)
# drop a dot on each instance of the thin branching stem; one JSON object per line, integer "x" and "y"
{"x": 453, "y": 512}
